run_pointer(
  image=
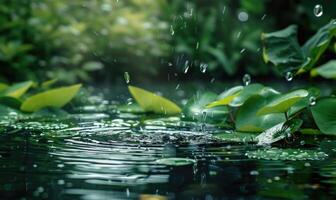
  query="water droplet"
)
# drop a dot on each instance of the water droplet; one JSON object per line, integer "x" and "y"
{"x": 172, "y": 32}
{"x": 177, "y": 87}
{"x": 127, "y": 77}
{"x": 243, "y": 50}
{"x": 243, "y": 16}
{"x": 312, "y": 100}
{"x": 186, "y": 66}
{"x": 197, "y": 45}
{"x": 302, "y": 142}
{"x": 289, "y": 76}
{"x": 170, "y": 64}
{"x": 246, "y": 79}
{"x": 318, "y": 10}
{"x": 254, "y": 173}
{"x": 263, "y": 17}
{"x": 203, "y": 67}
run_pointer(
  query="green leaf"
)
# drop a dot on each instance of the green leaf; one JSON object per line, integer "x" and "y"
{"x": 226, "y": 97}
{"x": 151, "y": 102}
{"x": 286, "y": 154}
{"x": 17, "y": 90}
{"x": 176, "y": 161}
{"x": 316, "y": 45}
{"x": 324, "y": 114}
{"x": 3, "y": 86}
{"x": 279, "y": 132}
{"x": 49, "y": 83}
{"x": 11, "y": 102}
{"x": 327, "y": 70}
{"x": 282, "y": 49}
{"x": 282, "y": 103}
{"x": 52, "y": 98}
{"x": 247, "y": 119}
{"x": 246, "y": 93}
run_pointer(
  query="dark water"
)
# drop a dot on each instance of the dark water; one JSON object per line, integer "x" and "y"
{"x": 111, "y": 155}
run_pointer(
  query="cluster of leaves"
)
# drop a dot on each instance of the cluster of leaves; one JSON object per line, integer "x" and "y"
{"x": 283, "y": 50}
{"x": 253, "y": 108}
{"x": 15, "y": 96}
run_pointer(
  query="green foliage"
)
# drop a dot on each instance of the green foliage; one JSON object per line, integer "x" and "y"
{"x": 324, "y": 114}
{"x": 52, "y": 98}
{"x": 17, "y": 90}
{"x": 151, "y": 102}
{"x": 283, "y": 50}
{"x": 327, "y": 70}
{"x": 282, "y": 103}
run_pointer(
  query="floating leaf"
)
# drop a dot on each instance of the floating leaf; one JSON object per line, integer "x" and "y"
{"x": 248, "y": 121}
{"x": 327, "y": 70}
{"x": 52, "y": 98}
{"x": 324, "y": 114}
{"x": 151, "y": 102}
{"x": 286, "y": 154}
{"x": 175, "y": 161}
{"x": 17, "y": 90}
{"x": 226, "y": 97}
{"x": 11, "y": 102}
{"x": 282, "y": 103}
{"x": 236, "y": 137}
{"x": 278, "y": 132}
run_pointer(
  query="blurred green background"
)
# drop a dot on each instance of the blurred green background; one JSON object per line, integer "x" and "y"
{"x": 99, "y": 40}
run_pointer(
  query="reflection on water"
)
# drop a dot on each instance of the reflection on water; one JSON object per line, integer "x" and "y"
{"x": 111, "y": 155}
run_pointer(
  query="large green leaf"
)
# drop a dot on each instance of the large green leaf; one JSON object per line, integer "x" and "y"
{"x": 324, "y": 114}
{"x": 247, "y": 119}
{"x": 282, "y": 103}
{"x": 52, "y": 98}
{"x": 151, "y": 102}
{"x": 316, "y": 45}
{"x": 282, "y": 49}
{"x": 17, "y": 90}
{"x": 3, "y": 86}
{"x": 196, "y": 108}
{"x": 327, "y": 70}
{"x": 226, "y": 97}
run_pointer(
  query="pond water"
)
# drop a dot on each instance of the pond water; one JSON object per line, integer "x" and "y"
{"x": 100, "y": 153}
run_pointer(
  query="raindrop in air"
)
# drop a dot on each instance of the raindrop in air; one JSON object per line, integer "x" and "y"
{"x": 246, "y": 79}
{"x": 243, "y": 16}
{"x": 172, "y": 32}
{"x": 312, "y": 100}
{"x": 203, "y": 67}
{"x": 318, "y": 10}
{"x": 186, "y": 66}
{"x": 127, "y": 77}
{"x": 289, "y": 76}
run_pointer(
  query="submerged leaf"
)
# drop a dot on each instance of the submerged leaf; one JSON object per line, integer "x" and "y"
{"x": 52, "y": 98}
{"x": 17, "y": 90}
{"x": 324, "y": 114}
{"x": 151, "y": 102}
{"x": 286, "y": 154}
{"x": 175, "y": 161}
{"x": 282, "y": 103}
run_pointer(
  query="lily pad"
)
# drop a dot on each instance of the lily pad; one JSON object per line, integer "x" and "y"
{"x": 17, "y": 90}
{"x": 282, "y": 103}
{"x": 176, "y": 161}
{"x": 286, "y": 154}
{"x": 278, "y": 132}
{"x": 324, "y": 114}
{"x": 52, "y": 98}
{"x": 151, "y": 102}
{"x": 247, "y": 119}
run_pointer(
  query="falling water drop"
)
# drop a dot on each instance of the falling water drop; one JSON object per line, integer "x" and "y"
{"x": 246, "y": 79}
{"x": 186, "y": 66}
{"x": 127, "y": 77}
{"x": 203, "y": 67}
{"x": 289, "y": 76}
{"x": 318, "y": 10}
{"x": 312, "y": 100}
{"x": 172, "y": 32}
